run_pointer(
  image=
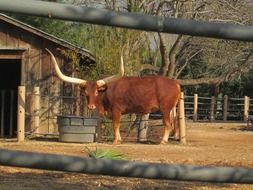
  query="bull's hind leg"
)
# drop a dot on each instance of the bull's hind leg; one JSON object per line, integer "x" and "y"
{"x": 166, "y": 128}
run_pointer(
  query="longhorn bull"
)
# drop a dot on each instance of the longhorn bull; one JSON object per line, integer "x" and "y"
{"x": 118, "y": 94}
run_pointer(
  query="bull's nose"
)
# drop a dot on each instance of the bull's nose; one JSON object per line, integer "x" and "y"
{"x": 92, "y": 107}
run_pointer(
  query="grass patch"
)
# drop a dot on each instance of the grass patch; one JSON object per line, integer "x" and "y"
{"x": 105, "y": 154}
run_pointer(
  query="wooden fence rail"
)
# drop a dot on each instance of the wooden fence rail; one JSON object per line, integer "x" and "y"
{"x": 43, "y": 111}
{"x": 196, "y": 107}
{"x": 218, "y": 108}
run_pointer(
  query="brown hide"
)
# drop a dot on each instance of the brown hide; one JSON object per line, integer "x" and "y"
{"x": 139, "y": 95}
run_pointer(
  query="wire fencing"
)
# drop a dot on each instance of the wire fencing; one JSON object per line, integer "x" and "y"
{"x": 197, "y": 108}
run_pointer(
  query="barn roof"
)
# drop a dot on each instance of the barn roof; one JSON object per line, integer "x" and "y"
{"x": 85, "y": 54}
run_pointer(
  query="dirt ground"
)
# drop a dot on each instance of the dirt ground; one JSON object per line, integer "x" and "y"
{"x": 212, "y": 144}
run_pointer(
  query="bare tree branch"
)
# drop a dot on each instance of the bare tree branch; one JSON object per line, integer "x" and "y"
{"x": 186, "y": 62}
{"x": 188, "y": 82}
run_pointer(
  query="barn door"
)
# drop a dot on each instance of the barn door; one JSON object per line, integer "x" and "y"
{"x": 10, "y": 75}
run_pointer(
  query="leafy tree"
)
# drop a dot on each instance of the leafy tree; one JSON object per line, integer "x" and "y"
{"x": 193, "y": 60}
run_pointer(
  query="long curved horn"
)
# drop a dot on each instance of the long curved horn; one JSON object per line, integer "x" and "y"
{"x": 106, "y": 80}
{"x": 61, "y": 75}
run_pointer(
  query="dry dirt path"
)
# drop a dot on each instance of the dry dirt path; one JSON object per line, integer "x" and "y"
{"x": 213, "y": 144}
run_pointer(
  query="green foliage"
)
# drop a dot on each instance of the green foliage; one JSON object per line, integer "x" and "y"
{"x": 240, "y": 87}
{"x": 105, "y": 154}
{"x": 107, "y": 48}
{"x": 212, "y": 58}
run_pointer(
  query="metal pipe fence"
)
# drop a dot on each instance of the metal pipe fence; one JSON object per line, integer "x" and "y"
{"x": 127, "y": 20}
{"x": 126, "y": 168}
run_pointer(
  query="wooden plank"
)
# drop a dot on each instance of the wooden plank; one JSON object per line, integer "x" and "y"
{"x": 10, "y": 56}
{"x": 2, "y": 34}
{"x": 33, "y": 67}
{"x": 12, "y": 38}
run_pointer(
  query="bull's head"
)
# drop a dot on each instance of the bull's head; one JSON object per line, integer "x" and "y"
{"x": 90, "y": 88}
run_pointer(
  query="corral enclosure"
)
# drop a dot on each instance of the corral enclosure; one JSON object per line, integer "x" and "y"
{"x": 208, "y": 144}
{"x": 22, "y": 54}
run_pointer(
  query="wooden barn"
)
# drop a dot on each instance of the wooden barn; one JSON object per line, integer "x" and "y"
{"x": 24, "y": 62}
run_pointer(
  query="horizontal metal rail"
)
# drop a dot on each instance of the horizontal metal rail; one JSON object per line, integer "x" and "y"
{"x": 125, "y": 168}
{"x": 127, "y": 20}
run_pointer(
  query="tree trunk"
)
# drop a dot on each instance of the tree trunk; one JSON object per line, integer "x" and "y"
{"x": 164, "y": 55}
{"x": 172, "y": 56}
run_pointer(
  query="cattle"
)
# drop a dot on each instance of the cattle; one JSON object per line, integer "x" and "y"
{"x": 118, "y": 94}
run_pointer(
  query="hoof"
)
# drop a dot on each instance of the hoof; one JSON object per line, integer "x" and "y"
{"x": 116, "y": 142}
{"x": 163, "y": 142}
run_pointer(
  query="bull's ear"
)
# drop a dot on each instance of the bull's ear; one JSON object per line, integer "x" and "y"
{"x": 102, "y": 88}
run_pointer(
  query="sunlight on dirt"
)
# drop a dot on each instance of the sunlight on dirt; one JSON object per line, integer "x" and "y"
{"x": 212, "y": 144}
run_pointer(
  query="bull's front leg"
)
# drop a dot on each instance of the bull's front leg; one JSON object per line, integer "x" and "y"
{"x": 116, "y": 115}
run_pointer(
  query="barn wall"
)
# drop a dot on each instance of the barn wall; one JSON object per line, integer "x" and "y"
{"x": 37, "y": 71}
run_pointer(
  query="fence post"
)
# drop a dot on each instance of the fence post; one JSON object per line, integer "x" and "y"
{"x": 212, "y": 108}
{"x": 182, "y": 133}
{"x": 225, "y": 108}
{"x": 143, "y": 128}
{"x": 246, "y": 108}
{"x": 195, "y": 107}
{"x": 36, "y": 110}
{"x": 21, "y": 114}
{"x": 78, "y": 100}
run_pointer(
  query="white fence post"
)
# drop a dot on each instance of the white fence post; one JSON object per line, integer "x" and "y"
{"x": 246, "y": 108}
{"x": 195, "y": 107}
{"x": 182, "y": 133}
{"x": 21, "y": 114}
